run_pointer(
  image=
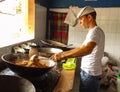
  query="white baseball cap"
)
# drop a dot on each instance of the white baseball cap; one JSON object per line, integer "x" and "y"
{"x": 86, "y": 10}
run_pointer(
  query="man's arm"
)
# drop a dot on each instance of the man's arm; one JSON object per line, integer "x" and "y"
{"x": 79, "y": 51}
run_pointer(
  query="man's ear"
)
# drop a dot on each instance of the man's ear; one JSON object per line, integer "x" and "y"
{"x": 89, "y": 16}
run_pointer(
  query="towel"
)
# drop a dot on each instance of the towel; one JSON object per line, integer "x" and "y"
{"x": 71, "y": 17}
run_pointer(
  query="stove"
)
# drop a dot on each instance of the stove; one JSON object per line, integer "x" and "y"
{"x": 44, "y": 83}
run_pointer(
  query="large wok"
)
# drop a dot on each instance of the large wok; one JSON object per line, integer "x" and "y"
{"x": 15, "y": 84}
{"x": 56, "y": 44}
{"x": 48, "y": 51}
{"x": 28, "y": 71}
{"x": 22, "y": 70}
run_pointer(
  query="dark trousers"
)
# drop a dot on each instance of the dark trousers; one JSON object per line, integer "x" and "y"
{"x": 89, "y": 83}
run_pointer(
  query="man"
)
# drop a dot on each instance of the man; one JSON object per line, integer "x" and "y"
{"x": 91, "y": 51}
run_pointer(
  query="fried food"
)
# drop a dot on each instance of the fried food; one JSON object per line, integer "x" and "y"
{"x": 38, "y": 62}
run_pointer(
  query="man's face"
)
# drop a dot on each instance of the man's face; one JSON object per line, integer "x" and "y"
{"x": 84, "y": 21}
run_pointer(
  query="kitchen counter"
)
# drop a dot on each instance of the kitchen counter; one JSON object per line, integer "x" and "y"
{"x": 69, "y": 80}
{"x": 54, "y": 81}
{"x": 65, "y": 82}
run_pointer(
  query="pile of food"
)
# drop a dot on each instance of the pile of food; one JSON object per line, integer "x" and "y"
{"x": 35, "y": 61}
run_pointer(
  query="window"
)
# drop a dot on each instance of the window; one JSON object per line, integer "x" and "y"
{"x": 16, "y": 21}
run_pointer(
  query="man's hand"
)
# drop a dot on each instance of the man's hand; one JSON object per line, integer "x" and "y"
{"x": 56, "y": 57}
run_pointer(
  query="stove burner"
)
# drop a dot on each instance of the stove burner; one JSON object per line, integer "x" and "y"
{"x": 44, "y": 83}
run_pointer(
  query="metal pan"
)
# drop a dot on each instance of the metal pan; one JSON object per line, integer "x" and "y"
{"x": 22, "y": 70}
{"x": 48, "y": 51}
{"x": 15, "y": 84}
{"x": 56, "y": 44}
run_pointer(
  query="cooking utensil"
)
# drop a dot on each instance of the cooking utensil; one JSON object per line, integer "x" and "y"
{"x": 15, "y": 84}
{"x": 33, "y": 57}
{"x": 22, "y": 70}
{"x": 33, "y": 51}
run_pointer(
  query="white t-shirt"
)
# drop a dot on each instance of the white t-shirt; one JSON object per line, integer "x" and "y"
{"x": 92, "y": 63}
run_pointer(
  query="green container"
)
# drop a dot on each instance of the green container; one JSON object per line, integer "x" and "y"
{"x": 118, "y": 83}
{"x": 69, "y": 64}
{"x": 118, "y": 76}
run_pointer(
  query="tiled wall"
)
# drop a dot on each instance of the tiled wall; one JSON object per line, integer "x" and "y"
{"x": 40, "y": 23}
{"x": 109, "y": 20}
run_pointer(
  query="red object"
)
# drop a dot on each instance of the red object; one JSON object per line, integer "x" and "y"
{"x": 111, "y": 68}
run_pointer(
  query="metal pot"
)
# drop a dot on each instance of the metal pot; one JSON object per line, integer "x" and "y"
{"x": 15, "y": 84}
{"x": 22, "y": 70}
